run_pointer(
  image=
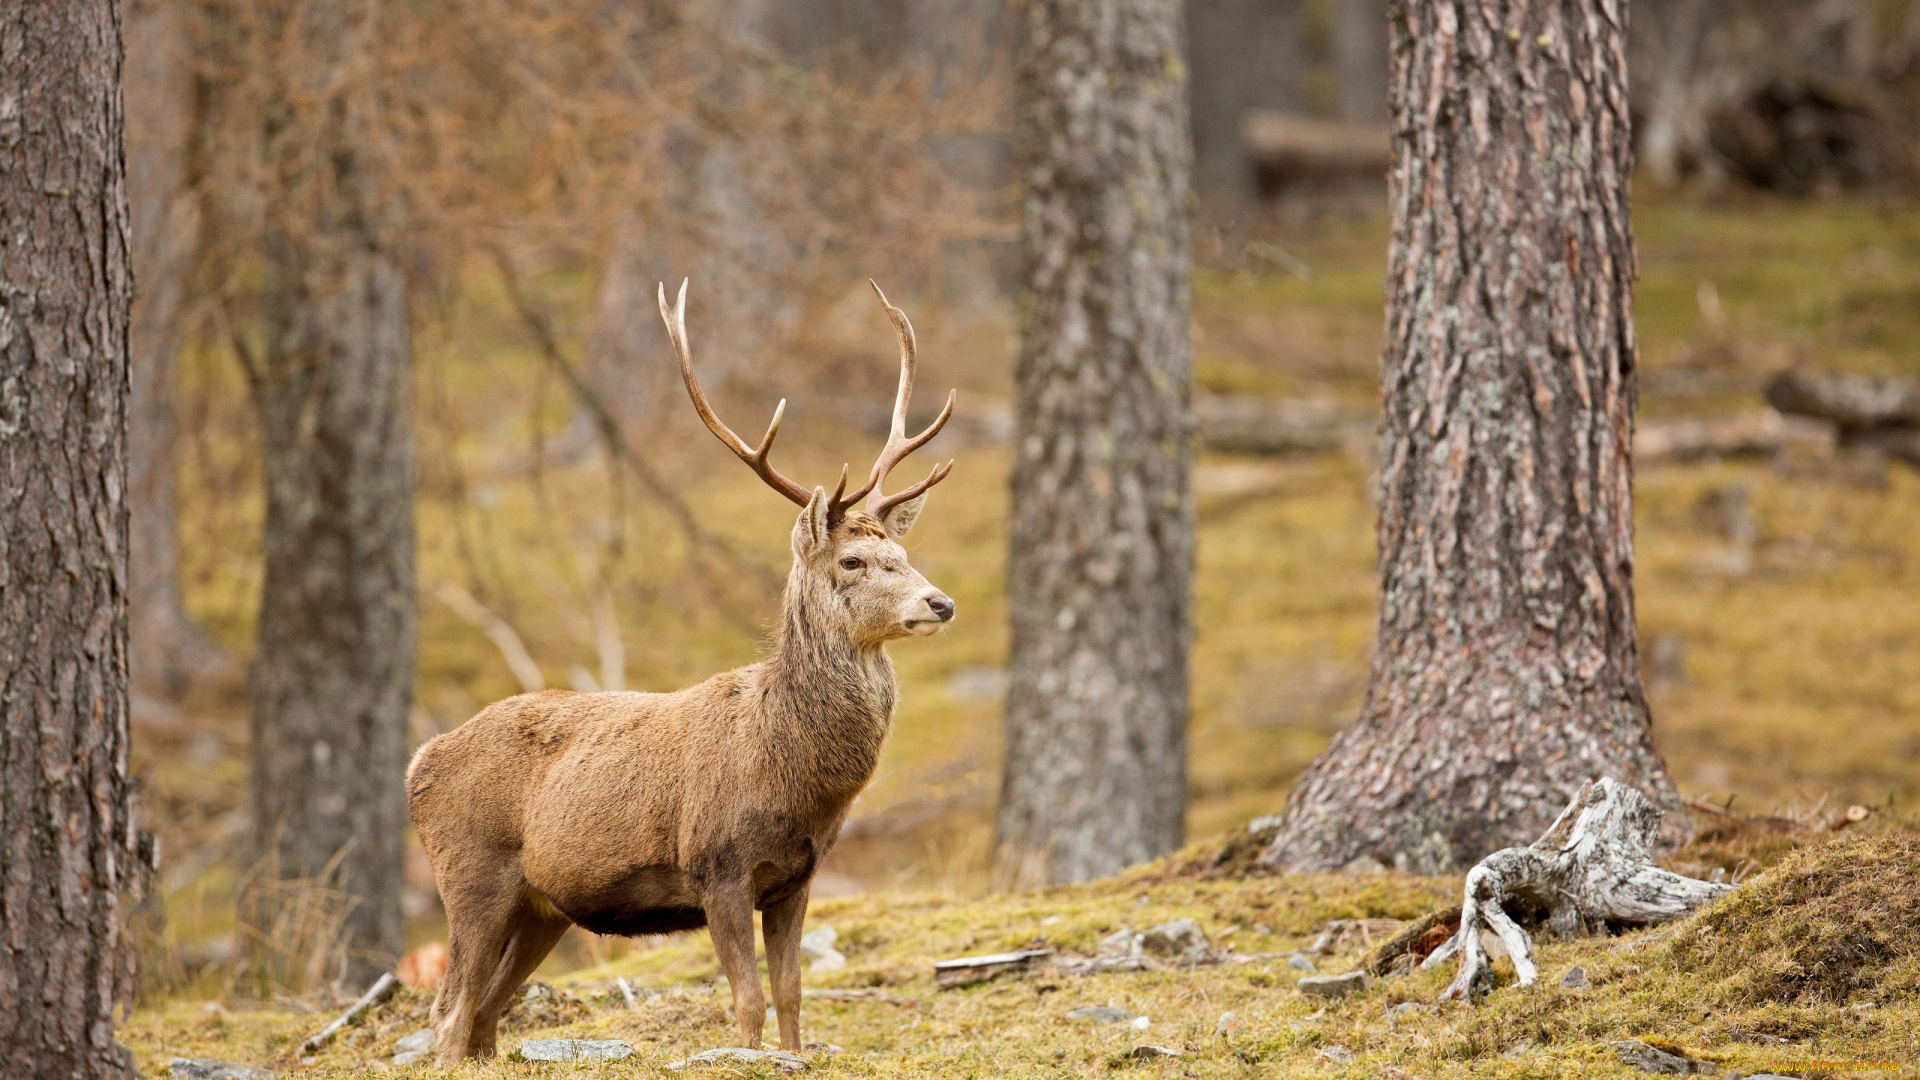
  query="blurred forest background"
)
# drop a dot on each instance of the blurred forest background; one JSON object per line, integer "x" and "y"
{"x": 535, "y": 169}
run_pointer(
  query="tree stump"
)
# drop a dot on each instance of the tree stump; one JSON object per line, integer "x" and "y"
{"x": 1592, "y": 868}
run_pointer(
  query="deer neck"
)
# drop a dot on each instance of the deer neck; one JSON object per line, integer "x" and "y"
{"x": 831, "y": 701}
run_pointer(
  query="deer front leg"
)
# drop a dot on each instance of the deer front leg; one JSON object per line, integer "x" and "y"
{"x": 780, "y": 924}
{"x": 730, "y": 924}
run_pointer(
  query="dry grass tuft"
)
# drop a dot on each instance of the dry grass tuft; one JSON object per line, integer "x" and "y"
{"x": 1832, "y": 922}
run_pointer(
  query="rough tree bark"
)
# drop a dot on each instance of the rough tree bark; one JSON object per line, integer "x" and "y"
{"x": 332, "y": 678}
{"x": 1505, "y": 671}
{"x": 1102, "y": 531}
{"x": 69, "y": 854}
{"x": 1246, "y": 54}
{"x": 168, "y": 650}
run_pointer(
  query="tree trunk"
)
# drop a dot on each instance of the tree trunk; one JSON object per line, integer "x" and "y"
{"x": 69, "y": 855}
{"x": 1361, "y": 59}
{"x": 332, "y": 678}
{"x": 1505, "y": 673}
{"x": 1102, "y": 532}
{"x": 168, "y": 650}
{"x": 1246, "y": 54}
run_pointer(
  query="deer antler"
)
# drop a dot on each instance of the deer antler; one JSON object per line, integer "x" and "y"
{"x": 898, "y": 445}
{"x": 676, "y": 320}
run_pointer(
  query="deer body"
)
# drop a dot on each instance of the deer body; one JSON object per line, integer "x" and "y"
{"x": 638, "y": 813}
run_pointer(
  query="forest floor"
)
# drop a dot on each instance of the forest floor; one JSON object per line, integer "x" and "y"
{"x": 1780, "y": 637}
{"x": 1808, "y": 969}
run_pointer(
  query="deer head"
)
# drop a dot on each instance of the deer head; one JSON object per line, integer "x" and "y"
{"x": 838, "y": 550}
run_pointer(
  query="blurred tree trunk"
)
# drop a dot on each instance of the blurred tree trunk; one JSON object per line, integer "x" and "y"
{"x": 1102, "y": 532}
{"x": 168, "y": 650}
{"x": 1245, "y": 54}
{"x": 69, "y": 854}
{"x": 1361, "y": 60}
{"x": 332, "y": 678}
{"x": 1505, "y": 671}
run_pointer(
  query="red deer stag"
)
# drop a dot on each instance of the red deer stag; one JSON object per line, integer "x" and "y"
{"x": 634, "y": 813}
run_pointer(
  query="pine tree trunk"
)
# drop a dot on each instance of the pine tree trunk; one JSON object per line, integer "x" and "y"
{"x": 69, "y": 855}
{"x": 1360, "y": 49}
{"x": 1505, "y": 672}
{"x": 1102, "y": 532}
{"x": 332, "y": 678}
{"x": 168, "y": 650}
{"x": 1246, "y": 54}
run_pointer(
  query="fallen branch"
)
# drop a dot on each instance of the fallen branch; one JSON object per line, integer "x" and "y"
{"x": 1248, "y": 424}
{"x": 1855, "y": 402}
{"x": 382, "y": 989}
{"x": 1593, "y": 866}
{"x": 1747, "y": 434}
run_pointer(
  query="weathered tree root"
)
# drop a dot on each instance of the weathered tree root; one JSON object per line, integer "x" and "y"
{"x": 1592, "y": 868}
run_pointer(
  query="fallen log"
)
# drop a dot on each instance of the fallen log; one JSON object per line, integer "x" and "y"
{"x": 1285, "y": 146}
{"x": 1856, "y": 402}
{"x": 1246, "y": 424}
{"x": 1592, "y": 868}
{"x": 1763, "y": 434}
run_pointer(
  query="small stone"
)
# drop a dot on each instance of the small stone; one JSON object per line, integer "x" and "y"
{"x": 1407, "y": 1008}
{"x": 1519, "y": 1049}
{"x": 1334, "y": 986}
{"x": 817, "y": 946}
{"x": 1575, "y": 979}
{"x": 574, "y": 1049}
{"x": 419, "y": 1040}
{"x": 1118, "y": 943}
{"x": 1140, "y": 1023}
{"x": 1102, "y": 1014}
{"x": 729, "y": 1055}
{"x": 1262, "y": 928}
{"x": 1302, "y": 962}
{"x": 1053, "y": 920}
{"x": 214, "y": 1069}
{"x": 1655, "y": 1060}
{"x": 1180, "y": 939}
{"x": 408, "y": 1057}
{"x": 1365, "y": 865}
{"x": 1149, "y": 1052}
{"x": 1339, "y": 1055}
{"x": 1228, "y": 1025}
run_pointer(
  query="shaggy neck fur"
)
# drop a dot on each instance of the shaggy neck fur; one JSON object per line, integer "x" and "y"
{"x": 830, "y": 702}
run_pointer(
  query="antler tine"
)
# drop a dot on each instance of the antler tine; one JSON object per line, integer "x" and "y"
{"x": 676, "y": 320}
{"x": 898, "y": 445}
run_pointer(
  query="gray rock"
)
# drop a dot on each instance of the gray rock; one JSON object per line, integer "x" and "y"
{"x": 1180, "y": 939}
{"x": 1302, "y": 962}
{"x": 1406, "y": 1008}
{"x": 1575, "y": 979}
{"x": 729, "y": 1055}
{"x": 817, "y": 946}
{"x": 1339, "y": 1055}
{"x": 1655, "y": 1060}
{"x": 419, "y": 1040}
{"x": 1119, "y": 943}
{"x": 574, "y": 1049}
{"x": 1334, "y": 986}
{"x": 1101, "y": 1014}
{"x": 1365, "y": 865}
{"x": 1149, "y": 1052}
{"x": 408, "y": 1057}
{"x": 215, "y": 1069}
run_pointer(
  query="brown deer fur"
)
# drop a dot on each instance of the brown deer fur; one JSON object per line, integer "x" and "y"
{"x": 639, "y": 813}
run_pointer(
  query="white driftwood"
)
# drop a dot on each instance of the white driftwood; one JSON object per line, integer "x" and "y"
{"x": 1593, "y": 865}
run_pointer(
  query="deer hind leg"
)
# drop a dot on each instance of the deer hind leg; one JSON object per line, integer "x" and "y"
{"x": 480, "y": 916}
{"x": 536, "y": 928}
{"x": 730, "y": 923}
{"x": 780, "y": 924}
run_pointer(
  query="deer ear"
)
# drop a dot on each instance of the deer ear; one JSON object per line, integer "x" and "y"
{"x": 811, "y": 532}
{"x": 899, "y": 518}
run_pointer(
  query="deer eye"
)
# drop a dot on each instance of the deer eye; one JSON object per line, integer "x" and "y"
{"x": 851, "y": 563}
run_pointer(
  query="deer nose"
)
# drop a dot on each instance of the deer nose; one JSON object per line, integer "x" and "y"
{"x": 942, "y": 607}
